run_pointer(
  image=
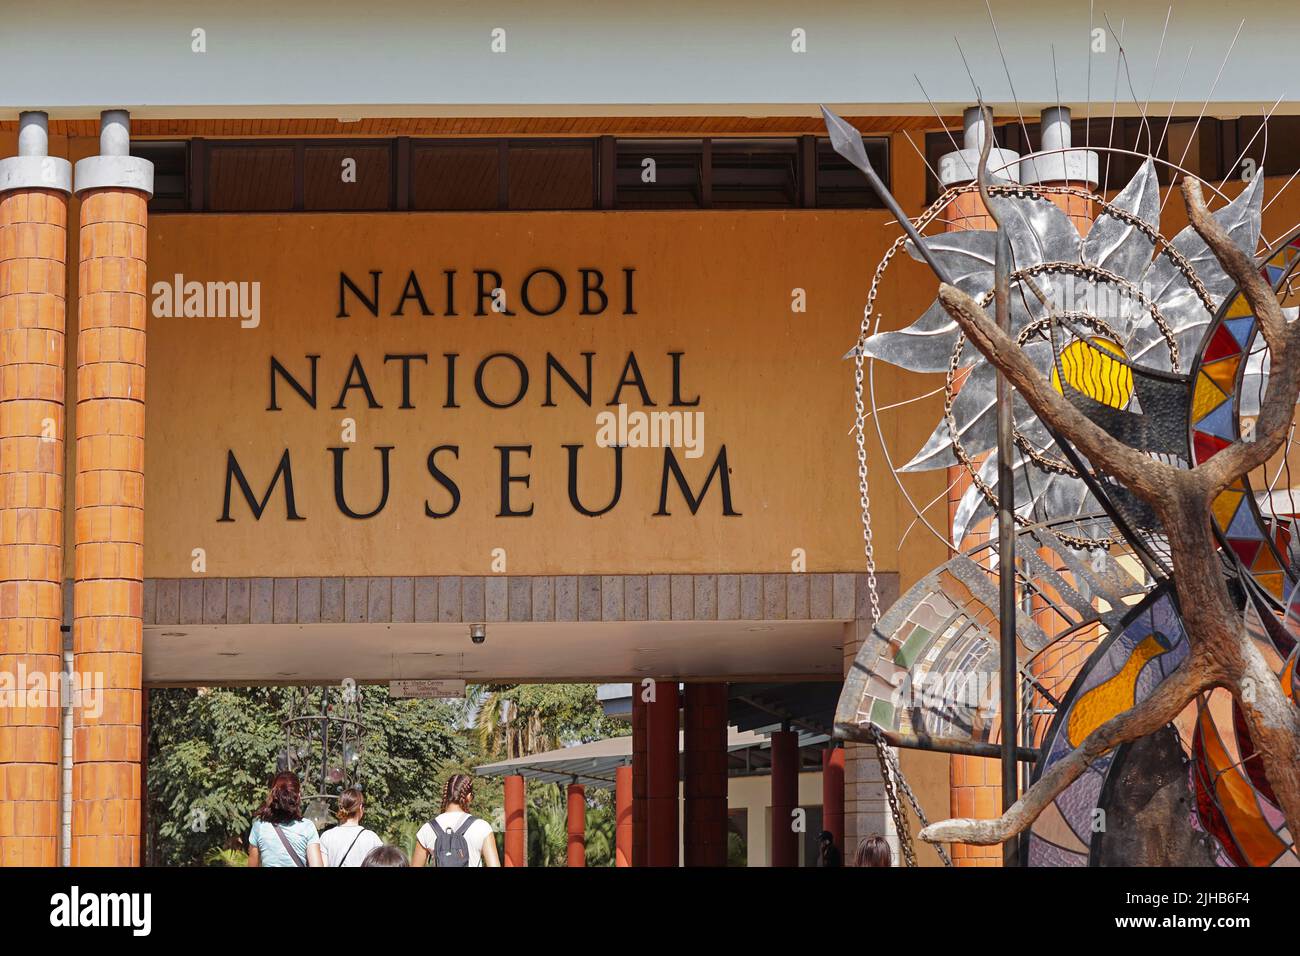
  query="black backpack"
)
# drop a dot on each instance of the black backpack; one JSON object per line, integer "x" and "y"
{"x": 450, "y": 847}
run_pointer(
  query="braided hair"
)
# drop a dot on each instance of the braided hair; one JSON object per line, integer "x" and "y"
{"x": 459, "y": 790}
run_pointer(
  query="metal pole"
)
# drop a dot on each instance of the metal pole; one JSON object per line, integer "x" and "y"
{"x": 968, "y": 748}
{"x": 1006, "y": 550}
{"x": 847, "y": 141}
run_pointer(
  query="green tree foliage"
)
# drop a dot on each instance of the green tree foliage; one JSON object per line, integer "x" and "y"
{"x": 513, "y": 720}
{"x": 548, "y": 826}
{"x": 212, "y": 752}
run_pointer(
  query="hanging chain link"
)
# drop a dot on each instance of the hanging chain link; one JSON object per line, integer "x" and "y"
{"x": 901, "y": 829}
{"x": 891, "y": 774}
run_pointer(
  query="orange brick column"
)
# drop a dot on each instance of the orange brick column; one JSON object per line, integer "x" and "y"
{"x": 107, "y": 630}
{"x": 576, "y": 820}
{"x": 516, "y": 821}
{"x": 1060, "y": 165}
{"x": 623, "y": 816}
{"x": 975, "y": 783}
{"x": 639, "y": 767}
{"x": 1056, "y": 667}
{"x": 33, "y": 246}
{"x": 833, "y": 796}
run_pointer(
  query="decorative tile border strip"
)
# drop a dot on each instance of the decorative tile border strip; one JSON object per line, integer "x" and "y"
{"x": 457, "y": 599}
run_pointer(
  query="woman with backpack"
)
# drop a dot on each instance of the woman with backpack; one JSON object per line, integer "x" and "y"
{"x": 455, "y": 837}
{"x": 280, "y": 836}
{"x": 348, "y": 843}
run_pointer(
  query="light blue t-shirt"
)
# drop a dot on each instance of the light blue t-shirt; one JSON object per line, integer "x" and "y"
{"x": 300, "y": 834}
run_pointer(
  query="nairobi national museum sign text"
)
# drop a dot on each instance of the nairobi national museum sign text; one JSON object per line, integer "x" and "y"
{"x": 391, "y": 395}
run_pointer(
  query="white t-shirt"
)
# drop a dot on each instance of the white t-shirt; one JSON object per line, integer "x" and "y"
{"x": 479, "y": 831}
{"x": 334, "y": 844}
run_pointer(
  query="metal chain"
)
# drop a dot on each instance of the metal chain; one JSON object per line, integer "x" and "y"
{"x": 901, "y": 829}
{"x": 889, "y": 769}
{"x": 889, "y": 759}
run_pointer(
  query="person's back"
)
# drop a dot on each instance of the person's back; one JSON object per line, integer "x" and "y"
{"x": 452, "y": 827}
{"x": 300, "y": 834}
{"x": 280, "y": 837}
{"x": 348, "y": 843}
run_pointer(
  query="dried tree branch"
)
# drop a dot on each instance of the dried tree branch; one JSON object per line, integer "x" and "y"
{"x": 1193, "y": 676}
{"x": 1222, "y": 653}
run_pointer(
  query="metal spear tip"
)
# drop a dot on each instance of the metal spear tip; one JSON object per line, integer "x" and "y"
{"x": 846, "y": 140}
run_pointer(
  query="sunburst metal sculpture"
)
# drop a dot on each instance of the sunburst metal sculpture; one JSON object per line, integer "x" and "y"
{"x": 1148, "y": 338}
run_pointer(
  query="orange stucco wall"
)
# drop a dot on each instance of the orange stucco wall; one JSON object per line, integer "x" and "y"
{"x": 716, "y": 287}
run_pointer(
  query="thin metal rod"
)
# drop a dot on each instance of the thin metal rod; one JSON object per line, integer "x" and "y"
{"x": 847, "y": 141}
{"x": 1160, "y": 52}
{"x": 1263, "y": 128}
{"x": 1201, "y": 115}
{"x": 1114, "y": 106}
{"x": 1008, "y": 684}
{"x": 1008, "y": 668}
{"x": 917, "y": 149}
{"x": 1087, "y": 119}
{"x": 1007, "y": 69}
{"x": 1178, "y": 91}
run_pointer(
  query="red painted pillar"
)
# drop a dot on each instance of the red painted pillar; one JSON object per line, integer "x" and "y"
{"x": 662, "y": 766}
{"x": 638, "y": 777}
{"x": 705, "y": 777}
{"x": 516, "y": 822}
{"x": 577, "y": 825}
{"x": 785, "y": 797}
{"x": 833, "y": 795}
{"x": 623, "y": 825}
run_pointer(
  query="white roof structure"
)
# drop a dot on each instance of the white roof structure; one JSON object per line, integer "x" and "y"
{"x": 594, "y": 764}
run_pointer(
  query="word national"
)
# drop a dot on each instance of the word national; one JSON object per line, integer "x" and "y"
{"x": 208, "y": 300}
{"x": 641, "y": 429}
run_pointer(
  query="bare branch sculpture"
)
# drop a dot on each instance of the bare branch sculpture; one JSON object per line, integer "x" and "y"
{"x": 1222, "y": 653}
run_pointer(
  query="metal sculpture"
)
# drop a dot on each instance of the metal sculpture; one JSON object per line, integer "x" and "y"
{"x": 1151, "y": 341}
{"x": 324, "y": 744}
